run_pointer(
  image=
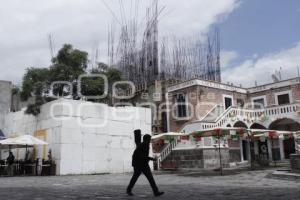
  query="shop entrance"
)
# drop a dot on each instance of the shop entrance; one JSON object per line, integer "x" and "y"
{"x": 263, "y": 152}
{"x": 289, "y": 147}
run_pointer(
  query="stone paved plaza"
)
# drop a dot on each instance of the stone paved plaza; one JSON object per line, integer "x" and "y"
{"x": 245, "y": 185}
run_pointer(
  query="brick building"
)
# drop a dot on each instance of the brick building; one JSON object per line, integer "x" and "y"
{"x": 197, "y": 105}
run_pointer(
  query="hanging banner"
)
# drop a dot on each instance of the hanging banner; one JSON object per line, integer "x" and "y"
{"x": 184, "y": 137}
{"x": 281, "y": 136}
{"x": 232, "y": 132}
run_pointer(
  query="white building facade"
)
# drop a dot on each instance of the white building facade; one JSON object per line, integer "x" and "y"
{"x": 84, "y": 137}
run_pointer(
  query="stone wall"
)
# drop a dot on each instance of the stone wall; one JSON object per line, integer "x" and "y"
{"x": 198, "y": 158}
{"x": 295, "y": 163}
{"x": 212, "y": 158}
{"x": 234, "y": 155}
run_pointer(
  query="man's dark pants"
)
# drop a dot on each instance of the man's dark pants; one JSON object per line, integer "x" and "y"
{"x": 147, "y": 172}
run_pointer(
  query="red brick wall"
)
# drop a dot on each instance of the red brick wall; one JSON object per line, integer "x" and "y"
{"x": 296, "y": 92}
{"x": 202, "y": 100}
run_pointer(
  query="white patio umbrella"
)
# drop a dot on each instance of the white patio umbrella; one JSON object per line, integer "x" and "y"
{"x": 22, "y": 141}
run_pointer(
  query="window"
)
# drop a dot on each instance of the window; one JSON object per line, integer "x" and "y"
{"x": 259, "y": 103}
{"x": 283, "y": 99}
{"x": 228, "y": 102}
{"x": 240, "y": 103}
{"x": 164, "y": 120}
{"x": 181, "y": 105}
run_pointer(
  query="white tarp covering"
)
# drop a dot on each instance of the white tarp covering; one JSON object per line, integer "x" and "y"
{"x": 84, "y": 137}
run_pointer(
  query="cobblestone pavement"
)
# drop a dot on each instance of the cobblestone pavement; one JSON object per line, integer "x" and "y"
{"x": 246, "y": 185}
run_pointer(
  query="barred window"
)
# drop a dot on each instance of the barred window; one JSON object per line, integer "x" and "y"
{"x": 181, "y": 105}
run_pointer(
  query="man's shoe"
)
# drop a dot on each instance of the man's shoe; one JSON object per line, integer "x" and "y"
{"x": 129, "y": 193}
{"x": 158, "y": 194}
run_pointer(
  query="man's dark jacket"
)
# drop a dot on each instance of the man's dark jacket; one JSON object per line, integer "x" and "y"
{"x": 140, "y": 157}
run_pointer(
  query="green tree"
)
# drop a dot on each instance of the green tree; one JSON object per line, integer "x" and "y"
{"x": 68, "y": 65}
{"x": 94, "y": 86}
{"x": 35, "y": 82}
{"x": 35, "y": 85}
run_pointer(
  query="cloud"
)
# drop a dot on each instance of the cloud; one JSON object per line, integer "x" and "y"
{"x": 192, "y": 16}
{"x": 260, "y": 69}
{"x": 26, "y": 24}
{"x": 227, "y": 57}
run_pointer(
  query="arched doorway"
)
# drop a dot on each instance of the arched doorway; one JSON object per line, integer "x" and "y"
{"x": 286, "y": 124}
{"x": 228, "y": 125}
{"x": 243, "y": 143}
{"x": 262, "y": 145}
{"x": 257, "y": 126}
{"x": 240, "y": 124}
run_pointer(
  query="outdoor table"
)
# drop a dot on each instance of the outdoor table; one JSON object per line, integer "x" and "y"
{"x": 32, "y": 167}
{"x": 16, "y": 168}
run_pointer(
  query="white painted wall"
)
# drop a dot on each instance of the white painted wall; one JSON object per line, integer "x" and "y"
{"x": 79, "y": 143}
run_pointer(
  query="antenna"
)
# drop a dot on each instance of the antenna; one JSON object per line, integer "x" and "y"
{"x": 275, "y": 78}
{"x": 51, "y": 46}
{"x": 279, "y": 73}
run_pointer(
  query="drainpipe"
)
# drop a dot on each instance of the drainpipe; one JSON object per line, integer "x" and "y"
{"x": 168, "y": 111}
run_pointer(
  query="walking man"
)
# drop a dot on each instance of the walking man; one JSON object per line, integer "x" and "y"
{"x": 140, "y": 160}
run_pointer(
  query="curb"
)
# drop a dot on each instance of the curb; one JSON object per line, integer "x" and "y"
{"x": 284, "y": 175}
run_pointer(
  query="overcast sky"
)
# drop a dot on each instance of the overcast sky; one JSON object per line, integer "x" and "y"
{"x": 258, "y": 36}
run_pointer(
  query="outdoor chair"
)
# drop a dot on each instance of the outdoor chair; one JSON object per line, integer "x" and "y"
{"x": 3, "y": 167}
{"x": 30, "y": 167}
{"x": 46, "y": 168}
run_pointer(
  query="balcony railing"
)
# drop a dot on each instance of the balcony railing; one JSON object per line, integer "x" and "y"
{"x": 242, "y": 114}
